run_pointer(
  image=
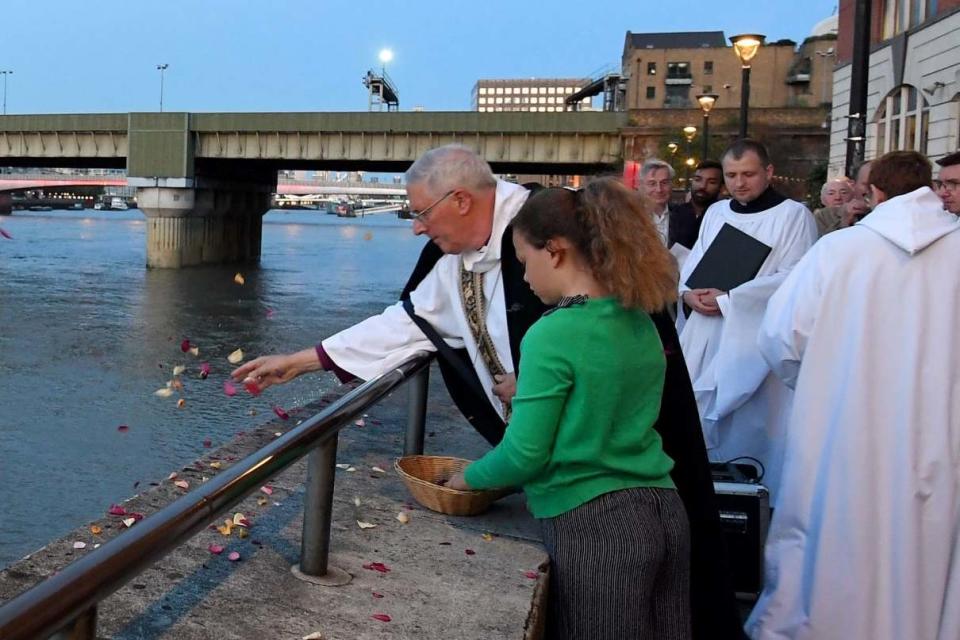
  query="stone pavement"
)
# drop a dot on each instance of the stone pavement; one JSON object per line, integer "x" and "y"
{"x": 445, "y": 580}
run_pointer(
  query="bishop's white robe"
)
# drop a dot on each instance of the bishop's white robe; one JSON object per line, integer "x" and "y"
{"x": 742, "y": 405}
{"x": 865, "y": 542}
{"x": 382, "y": 342}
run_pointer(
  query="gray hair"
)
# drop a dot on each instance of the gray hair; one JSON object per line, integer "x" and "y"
{"x": 653, "y": 164}
{"x": 449, "y": 167}
{"x": 844, "y": 180}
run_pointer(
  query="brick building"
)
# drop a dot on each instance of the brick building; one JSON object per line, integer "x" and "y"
{"x": 913, "y": 90}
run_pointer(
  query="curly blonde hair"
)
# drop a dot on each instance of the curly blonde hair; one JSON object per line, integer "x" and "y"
{"x": 611, "y": 228}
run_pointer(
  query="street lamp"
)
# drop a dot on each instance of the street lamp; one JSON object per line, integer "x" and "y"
{"x": 689, "y": 132}
{"x": 5, "y": 73}
{"x": 707, "y": 101}
{"x": 746, "y": 47}
{"x": 161, "y": 68}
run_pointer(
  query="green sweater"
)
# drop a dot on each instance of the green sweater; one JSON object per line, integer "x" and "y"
{"x": 587, "y": 397}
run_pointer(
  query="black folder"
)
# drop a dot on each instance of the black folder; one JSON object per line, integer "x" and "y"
{"x": 734, "y": 257}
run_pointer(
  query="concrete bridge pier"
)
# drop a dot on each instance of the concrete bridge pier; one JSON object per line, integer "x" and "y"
{"x": 194, "y": 226}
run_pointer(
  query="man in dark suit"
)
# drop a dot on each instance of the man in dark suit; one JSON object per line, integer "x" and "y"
{"x": 685, "y": 219}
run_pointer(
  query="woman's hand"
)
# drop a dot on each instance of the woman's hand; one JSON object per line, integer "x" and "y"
{"x": 458, "y": 483}
{"x": 267, "y": 371}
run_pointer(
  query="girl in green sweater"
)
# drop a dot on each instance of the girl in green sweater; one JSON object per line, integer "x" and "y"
{"x": 581, "y": 440}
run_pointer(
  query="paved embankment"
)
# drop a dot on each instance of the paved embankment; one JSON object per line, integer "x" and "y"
{"x": 446, "y": 579}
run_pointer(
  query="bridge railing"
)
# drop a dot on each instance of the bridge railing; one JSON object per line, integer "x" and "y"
{"x": 65, "y": 605}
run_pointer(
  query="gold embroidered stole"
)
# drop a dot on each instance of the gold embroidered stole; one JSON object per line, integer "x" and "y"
{"x": 471, "y": 295}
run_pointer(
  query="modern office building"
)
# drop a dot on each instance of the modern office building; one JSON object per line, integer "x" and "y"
{"x": 913, "y": 86}
{"x": 528, "y": 94}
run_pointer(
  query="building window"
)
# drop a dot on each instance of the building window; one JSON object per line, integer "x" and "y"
{"x": 651, "y": 68}
{"x": 708, "y": 88}
{"x": 483, "y": 101}
{"x": 708, "y": 67}
{"x": 678, "y": 70}
{"x": 678, "y": 95}
{"x": 651, "y": 93}
{"x": 903, "y": 121}
{"x": 525, "y": 91}
{"x": 902, "y": 15}
{"x": 483, "y": 90}
{"x": 552, "y": 90}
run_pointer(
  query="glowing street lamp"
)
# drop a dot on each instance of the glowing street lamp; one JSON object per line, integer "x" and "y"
{"x": 746, "y": 47}
{"x": 707, "y": 101}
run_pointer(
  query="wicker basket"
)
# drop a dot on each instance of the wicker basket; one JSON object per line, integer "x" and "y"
{"x": 422, "y": 474}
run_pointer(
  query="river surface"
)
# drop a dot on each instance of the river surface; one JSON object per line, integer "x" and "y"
{"x": 87, "y": 334}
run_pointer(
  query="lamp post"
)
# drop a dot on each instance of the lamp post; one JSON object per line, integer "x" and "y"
{"x": 161, "y": 68}
{"x": 689, "y": 132}
{"x": 707, "y": 101}
{"x": 746, "y": 47}
{"x": 5, "y": 73}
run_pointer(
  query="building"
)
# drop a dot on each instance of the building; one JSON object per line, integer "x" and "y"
{"x": 530, "y": 94}
{"x": 913, "y": 86}
{"x": 790, "y": 94}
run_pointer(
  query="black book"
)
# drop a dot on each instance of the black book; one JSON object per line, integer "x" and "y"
{"x": 734, "y": 257}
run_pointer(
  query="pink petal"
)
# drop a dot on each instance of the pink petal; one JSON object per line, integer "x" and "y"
{"x": 116, "y": 510}
{"x": 470, "y": 552}
{"x": 382, "y": 617}
{"x": 234, "y": 556}
{"x": 6, "y": 234}
{"x": 377, "y": 595}
{"x": 270, "y": 313}
{"x": 267, "y": 490}
{"x": 207, "y": 443}
{"x": 377, "y": 566}
{"x": 251, "y": 387}
{"x": 531, "y": 574}
{"x": 283, "y": 415}
{"x": 185, "y": 345}
{"x": 123, "y": 428}
{"x": 229, "y": 389}
{"x": 136, "y": 516}
{"x": 215, "y": 549}
{"x": 204, "y": 370}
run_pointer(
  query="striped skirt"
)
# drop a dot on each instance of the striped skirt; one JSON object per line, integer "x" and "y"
{"x": 620, "y": 568}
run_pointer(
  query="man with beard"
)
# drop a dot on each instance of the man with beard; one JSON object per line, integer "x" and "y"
{"x": 685, "y": 220}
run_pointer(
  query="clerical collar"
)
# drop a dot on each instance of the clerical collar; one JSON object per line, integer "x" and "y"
{"x": 767, "y": 200}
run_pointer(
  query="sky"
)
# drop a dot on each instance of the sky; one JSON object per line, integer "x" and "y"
{"x": 100, "y": 56}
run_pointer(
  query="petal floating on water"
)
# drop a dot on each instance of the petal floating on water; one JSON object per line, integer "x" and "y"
{"x": 195, "y": 351}
{"x": 229, "y": 389}
{"x": 236, "y": 357}
{"x": 116, "y": 510}
{"x": 166, "y": 392}
{"x": 185, "y": 345}
{"x": 5, "y": 234}
{"x": 204, "y": 370}
{"x": 403, "y": 517}
{"x": 234, "y": 556}
{"x": 215, "y": 549}
{"x": 252, "y": 387}
{"x": 177, "y": 370}
{"x": 123, "y": 428}
{"x": 283, "y": 415}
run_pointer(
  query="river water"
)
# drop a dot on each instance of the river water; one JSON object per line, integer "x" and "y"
{"x": 87, "y": 334}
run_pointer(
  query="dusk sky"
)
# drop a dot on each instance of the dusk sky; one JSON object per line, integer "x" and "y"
{"x": 299, "y": 55}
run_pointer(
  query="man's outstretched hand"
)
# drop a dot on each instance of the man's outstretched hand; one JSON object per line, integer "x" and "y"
{"x": 267, "y": 371}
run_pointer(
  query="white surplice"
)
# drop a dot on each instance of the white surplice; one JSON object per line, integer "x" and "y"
{"x": 382, "y": 342}
{"x": 865, "y": 542}
{"x": 742, "y": 405}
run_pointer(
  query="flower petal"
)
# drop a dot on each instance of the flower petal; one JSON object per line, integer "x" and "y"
{"x": 181, "y": 403}
{"x": 531, "y": 574}
{"x": 183, "y": 484}
{"x": 116, "y": 510}
{"x": 377, "y": 595}
{"x": 359, "y": 422}
{"x": 262, "y": 501}
{"x": 283, "y": 415}
{"x": 234, "y": 556}
{"x": 229, "y": 389}
{"x": 377, "y": 566}
{"x": 236, "y": 357}
{"x": 185, "y": 345}
{"x": 129, "y": 522}
{"x": 207, "y": 443}
{"x": 403, "y": 517}
{"x": 79, "y": 544}
{"x": 166, "y": 392}
{"x": 177, "y": 370}
{"x": 204, "y": 370}
{"x": 215, "y": 549}
{"x": 365, "y": 525}
{"x": 382, "y": 617}
{"x": 377, "y": 469}
{"x": 240, "y": 520}
{"x": 123, "y": 428}
{"x": 267, "y": 490}
{"x": 195, "y": 351}
{"x": 239, "y": 278}
{"x": 252, "y": 387}
{"x": 95, "y": 530}
{"x": 5, "y": 234}
{"x": 488, "y": 537}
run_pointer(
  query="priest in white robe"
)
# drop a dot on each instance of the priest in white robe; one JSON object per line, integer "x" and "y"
{"x": 742, "y": 405}
{"x": 865, "y": 542}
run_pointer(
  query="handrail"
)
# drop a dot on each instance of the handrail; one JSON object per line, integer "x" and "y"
{"x": 71, "y": 596}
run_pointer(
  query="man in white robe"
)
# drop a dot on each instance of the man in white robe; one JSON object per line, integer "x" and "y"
{"x": 865, "y": 542}
{"x": 742, "y": 405}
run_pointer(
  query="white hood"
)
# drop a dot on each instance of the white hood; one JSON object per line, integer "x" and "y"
{"x": 912, "y": 221}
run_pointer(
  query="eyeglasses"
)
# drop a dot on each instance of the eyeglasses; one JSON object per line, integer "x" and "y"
{"x": 421, "y": 216}
{"x": 949, "y": 185}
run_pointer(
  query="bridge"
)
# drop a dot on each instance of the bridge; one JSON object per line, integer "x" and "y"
{"x": 204, "y": 180}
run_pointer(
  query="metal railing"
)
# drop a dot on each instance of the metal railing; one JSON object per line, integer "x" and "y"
{"x": 65, "y": 605}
